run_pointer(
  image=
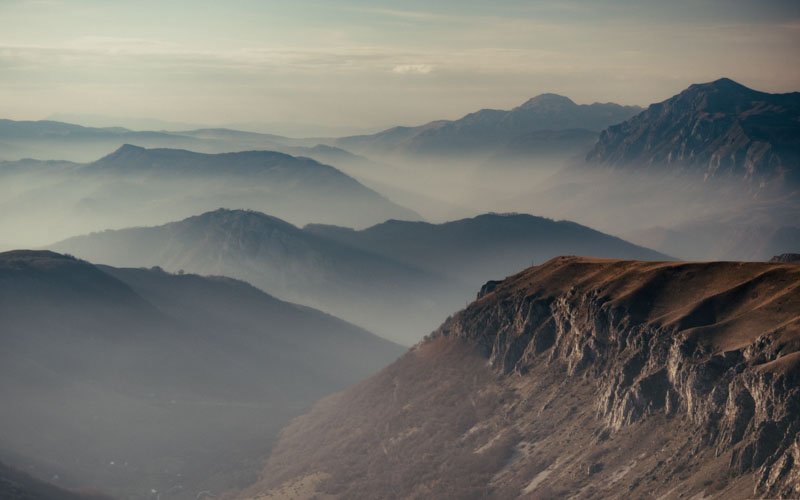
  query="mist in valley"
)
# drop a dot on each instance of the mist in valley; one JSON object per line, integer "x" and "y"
{"x": 415, "y": 311}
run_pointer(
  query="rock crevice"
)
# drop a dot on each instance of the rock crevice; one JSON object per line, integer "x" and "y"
{"x": 744, "y": 400}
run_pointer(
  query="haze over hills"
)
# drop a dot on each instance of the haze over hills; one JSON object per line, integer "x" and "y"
{"x": 489, "y": 129}
{"x": 368, "y": 289}
{"x": 132, "y": 380}
{"x": 750, "y": 236}
{"x": 135, "y": 186}
{"x": 545, "y": 146}
{"x": 17, "y": 485}
{"x": 398, "y": 279}
{"x": 722, "y": 133}
{"x": 710, "y": 173}
{"x": 579, "y": 377}
{"x": 371, "y": 250}
{"x": 721, "y": 128}
{"x": 681, "y": 210}
{"x": 52, "y": 140}
{"x": 60, "y": 140}
{"x": 487, "y": 246}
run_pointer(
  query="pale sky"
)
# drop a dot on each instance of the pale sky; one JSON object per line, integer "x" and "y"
{"x": 370, "y": 64}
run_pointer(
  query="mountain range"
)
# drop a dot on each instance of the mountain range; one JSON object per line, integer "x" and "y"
{"x": 487, "y": 246}
{"x": 47, "y": 139}
{"x": 397, "y": 279}
{"x": 177, "y": 361}
{"x": 137, "y": 380}
{"x": 721, "y": 128}
{"x": 578, "y": 378}
{"x": 136, "y": 186}
{"x": 487, "y": 130}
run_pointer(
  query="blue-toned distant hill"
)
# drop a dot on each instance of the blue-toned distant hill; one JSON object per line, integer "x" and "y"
{"x": 489, "y": 130}
{"x": 398, "y": 279}
{"x": 41, "y": 201}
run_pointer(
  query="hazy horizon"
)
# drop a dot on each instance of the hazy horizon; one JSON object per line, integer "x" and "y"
{"x": 364, "y": 66}
{"x": 473, "y": 250}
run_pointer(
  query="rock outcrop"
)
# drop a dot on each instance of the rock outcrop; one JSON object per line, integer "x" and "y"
{"x": 579, "y": 378}
{"x": 717, "y": 358}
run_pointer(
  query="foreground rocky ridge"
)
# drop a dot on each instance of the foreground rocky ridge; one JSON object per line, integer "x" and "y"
{"x": 716, "y": 343}
{"x": 604, "y": 378}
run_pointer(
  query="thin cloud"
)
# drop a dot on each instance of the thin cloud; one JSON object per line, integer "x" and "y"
{"x": 412, "y": 69}
{"x": 403, "y": 14}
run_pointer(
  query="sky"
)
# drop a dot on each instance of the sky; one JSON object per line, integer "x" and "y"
{"x": 366, "y": 65}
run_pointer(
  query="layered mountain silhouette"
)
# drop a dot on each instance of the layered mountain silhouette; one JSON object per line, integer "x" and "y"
{"x": 136, "y": 380}
{"x": 57, "y": 140}
{"x": 135, "y": 186}
{"x": 721, "y": 128}
{"x": 490, "y": 129}
{"x": 294, "y": 264}
{"x": 582, "y": 378}
{"x": 293, "y": 185}
{"x": 47, "y": 139}
{"x": 398, "y": 279}
{"x": 487, "y": 246}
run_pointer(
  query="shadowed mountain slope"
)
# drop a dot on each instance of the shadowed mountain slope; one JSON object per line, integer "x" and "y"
{"x": 286, "y": 261}
{"x": 405, "y": 277}
{"x": 483, "y": 247}
{"x": 721, "y": 128}
{"x": 132, "y": 380}
{"x": 580, "y": 377}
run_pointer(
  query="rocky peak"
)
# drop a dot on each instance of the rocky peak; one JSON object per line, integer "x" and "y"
{"x": 717, "y": 344}
{"x": 717, "y": 129}
{"x": 547, "y": 100}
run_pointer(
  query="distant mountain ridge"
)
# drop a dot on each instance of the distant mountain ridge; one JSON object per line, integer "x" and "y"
{"x": 485, "y": 246}
{"x": 389, "y": 269}
{"x": 721, "y": 128}
{"x": 136, "y": 186}
{"x": 489, "y": 129}
{"x": 284, "y": 260}
{"x": 268, "y": 165}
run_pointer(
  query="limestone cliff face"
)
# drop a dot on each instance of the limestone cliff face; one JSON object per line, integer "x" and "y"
{"x": 716, "y": 343}
{"x": 579, "y": 378}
